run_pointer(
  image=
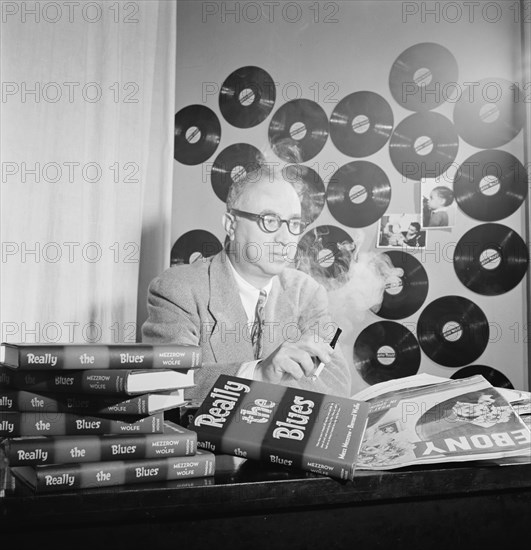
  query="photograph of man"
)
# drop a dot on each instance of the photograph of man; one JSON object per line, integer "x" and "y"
{"x": 413, "y": 236}
{"x": 400, "y": 231}
{"x": 252, "y": 312}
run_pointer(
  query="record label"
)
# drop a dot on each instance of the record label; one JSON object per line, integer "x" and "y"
{"x": 420, "y": 75}
{"x": 326, "y": 253}
{"x": 358, "y": 194}
{"x": 361, "y": 124}
{"x": 492, "y": 375}
{"x": 197, "y": 134}
{"x": 194, "y": 245}
{"x": 423, "y": 145}
{"x": 453, "y": 331}
{"x": 491, "y": 259}
{"x": 490, "y": 185}
{"x": 233, "y": 164}
{"x": 247, "y": 97}
{"x": 404, "y": 295}
{"x": 490, "y": 113}
{"x": 386, "y": 350}
{"x": 300, "y": 125}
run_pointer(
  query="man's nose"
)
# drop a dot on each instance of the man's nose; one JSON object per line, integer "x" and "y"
{"x": 283, "y": 235}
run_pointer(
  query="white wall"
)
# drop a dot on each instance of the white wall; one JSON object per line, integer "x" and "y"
{"x": 337, "y": 48}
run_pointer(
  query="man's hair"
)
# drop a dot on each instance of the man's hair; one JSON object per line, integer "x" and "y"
{"x": 416, "y": 225}
{"x": 257, "y": 174}
{"x": 444, "y": 193}
{"x": 270, "y": 171}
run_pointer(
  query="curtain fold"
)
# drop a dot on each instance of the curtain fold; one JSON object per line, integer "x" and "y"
{"x": 86, "y": 119}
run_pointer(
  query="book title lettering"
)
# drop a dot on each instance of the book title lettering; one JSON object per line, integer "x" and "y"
{"x": 224, "y": 400}
{"x": 63, "y": 479}
{"x": 296, "y": 420}
{"x": 44, "y": 359}
{"x": 259, "y": 413}
{"x": 6, "y": 402}
{"x": 6, "y": 426}
{"x": 37, "y": 454}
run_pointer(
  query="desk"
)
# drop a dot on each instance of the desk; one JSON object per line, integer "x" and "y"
{"x": 248, "y": 505}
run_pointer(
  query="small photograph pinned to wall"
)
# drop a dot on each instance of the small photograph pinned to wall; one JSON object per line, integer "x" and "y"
{"x": 438, "y": 204}
{"x": 401, "y": 231}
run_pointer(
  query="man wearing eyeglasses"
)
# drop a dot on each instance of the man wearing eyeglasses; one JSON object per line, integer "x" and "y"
{"x": 253, "y": 314}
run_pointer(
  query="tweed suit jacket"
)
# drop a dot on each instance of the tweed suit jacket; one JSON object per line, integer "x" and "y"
{"x": 199, "y": 304}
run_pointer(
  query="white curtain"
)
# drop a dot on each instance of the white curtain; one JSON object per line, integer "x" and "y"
{"x": 86, "y": 163}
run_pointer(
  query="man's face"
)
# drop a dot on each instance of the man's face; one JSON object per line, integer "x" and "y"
{"x": 260, "y": 253}
{"x": 411, "y": 231}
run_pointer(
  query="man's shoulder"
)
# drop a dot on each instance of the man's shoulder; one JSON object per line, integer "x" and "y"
{"x": 295, "y": 280}
{"x": 184, "y": 276}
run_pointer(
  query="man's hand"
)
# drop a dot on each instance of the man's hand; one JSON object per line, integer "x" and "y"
{"x": 294, "y": 360}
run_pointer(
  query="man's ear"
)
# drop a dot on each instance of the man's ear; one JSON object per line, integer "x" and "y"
{"x": 229, "y": 222}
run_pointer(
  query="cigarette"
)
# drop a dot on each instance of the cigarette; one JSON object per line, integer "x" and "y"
{"x": 321, "y": 365}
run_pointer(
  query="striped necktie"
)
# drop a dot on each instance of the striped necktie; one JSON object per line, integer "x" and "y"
{"x": 258, "y": 326}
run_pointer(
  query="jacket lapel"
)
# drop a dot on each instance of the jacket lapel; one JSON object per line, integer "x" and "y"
{"x": 229, "y": 338}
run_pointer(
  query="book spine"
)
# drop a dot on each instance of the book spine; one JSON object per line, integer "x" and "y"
{"x": 104, "y": 474}
{"x": 111, "y": 382}
{"x": 16, "y": 424}
{"x": 6, "y": 377}
{"x": 26, "y": 401}
{"x": 101, "y": 356}
{"x": 65, "y": 450}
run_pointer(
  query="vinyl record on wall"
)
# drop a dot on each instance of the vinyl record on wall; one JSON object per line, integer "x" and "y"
{"x": 197, "y": 134}
{"x": 309, "y": 187}
{"x": 420, "y": 75}
{"x": 490, "y": 185}
{"x": 298, "y": 130}
{"x": 403, "y": 295}
{"x": 247, "y": 97}
{"x": 325, "y": 253}
{"x": 384, "y": 351}
{"x": 361, "y": 124}
{"x": 194, "y": 245}
{"x": 490, "y": 113}
{"x": 491, "y": 259}
{"x": 358, "y": 194}
{"x": 453, "y": 331}
{"x": 233, "y": 164}
{"x": 492, "y": 375}
{"x": 423, "y": 145}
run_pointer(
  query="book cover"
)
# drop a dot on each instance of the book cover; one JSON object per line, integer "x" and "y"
{"x": 16, "y": 424}
{"x": 88, "y": 475}
{"x": 282, "y": 425}
{"x": 24, "y": 451}
{"x": 102, "y": 381}
{"x": 144, "y": 404}
{"x": 100, "y": 356}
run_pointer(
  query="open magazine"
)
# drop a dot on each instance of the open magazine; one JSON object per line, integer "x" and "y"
{"x": 427, "y": 420}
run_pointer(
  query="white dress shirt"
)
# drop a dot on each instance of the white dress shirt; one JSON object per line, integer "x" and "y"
{"x": 249, "y": 296}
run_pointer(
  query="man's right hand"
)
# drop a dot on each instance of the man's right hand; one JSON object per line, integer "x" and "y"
{"x": 293, "y": 360}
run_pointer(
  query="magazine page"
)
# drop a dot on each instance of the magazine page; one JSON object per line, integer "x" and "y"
{"x": 382, "y": 388}
{"x": 457, "y": 420}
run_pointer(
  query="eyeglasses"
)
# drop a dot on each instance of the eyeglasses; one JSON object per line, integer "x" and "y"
{"x": 271, "y": 222}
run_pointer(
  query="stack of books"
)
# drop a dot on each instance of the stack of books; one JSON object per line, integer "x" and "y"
{"x": 79, "y": 416}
